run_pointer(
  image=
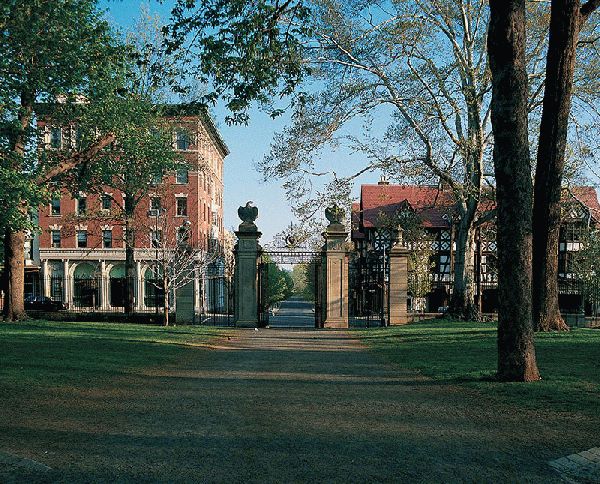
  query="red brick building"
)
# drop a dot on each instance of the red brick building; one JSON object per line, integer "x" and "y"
{"x": 82, "y": 238}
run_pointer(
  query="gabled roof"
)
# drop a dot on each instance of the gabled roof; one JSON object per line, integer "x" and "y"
{"x": 432, "y": 204}
{"x": 588, "y": 197}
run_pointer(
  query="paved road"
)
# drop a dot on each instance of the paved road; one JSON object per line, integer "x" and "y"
{"x": 281, "y": 405}
{"x": 294, "y": 313}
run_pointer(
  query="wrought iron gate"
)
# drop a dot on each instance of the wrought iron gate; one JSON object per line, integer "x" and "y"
{"x": 263, "y": 297}
{"x": 311, "y": 258}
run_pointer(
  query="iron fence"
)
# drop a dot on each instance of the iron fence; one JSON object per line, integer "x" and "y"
{"x": 217, "y": 308}
{"x": 88, "y": 295}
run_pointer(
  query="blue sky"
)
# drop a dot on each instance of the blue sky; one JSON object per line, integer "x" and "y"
{"x": 248, "y": 144}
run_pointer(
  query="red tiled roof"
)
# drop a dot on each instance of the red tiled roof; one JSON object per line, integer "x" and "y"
{"x": 430, "y": 203}
{"x": 588, "y": 197}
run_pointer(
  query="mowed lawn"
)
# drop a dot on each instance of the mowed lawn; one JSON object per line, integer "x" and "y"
{"x": 464, "y": 354}
{"x": 57, "y": 380}
{"x": 38, "y": 354}
{"x": 132, "y": 403}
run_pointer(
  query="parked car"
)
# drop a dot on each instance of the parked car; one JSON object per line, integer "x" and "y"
{"x": 43, "y": 303}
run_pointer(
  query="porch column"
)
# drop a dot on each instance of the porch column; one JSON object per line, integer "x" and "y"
{"x": 335, "y": 271}
{"x": 398, "y": 287}
{"x": 196, "y": 293}
{"x": 67, "y": 288}
{"x": 104, "y": 301}
{"x": 246, "y": 269}
{"x": 45, "y": 279}
{"x": 139, "y": 286}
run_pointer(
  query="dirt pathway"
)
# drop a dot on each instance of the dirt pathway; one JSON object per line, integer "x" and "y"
{"x": 284, "y": 405}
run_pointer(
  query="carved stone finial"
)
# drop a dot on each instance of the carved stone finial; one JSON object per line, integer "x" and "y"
{"x": 334, "y": 214}
{"x": 248, "y": 215}
{"x": 400, "y": 236}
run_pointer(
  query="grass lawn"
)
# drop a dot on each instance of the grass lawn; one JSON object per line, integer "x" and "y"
{"x": 99, "y": 402}
{"x": 39, "y": 354}
{"x": 465, "y": 353}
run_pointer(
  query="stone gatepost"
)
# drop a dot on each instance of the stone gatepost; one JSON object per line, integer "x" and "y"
{"x": 398, "y": 288}
{"x": 185, "y": 311}
{"x": 246, "y": 269}
{"x": 335, "y": 271}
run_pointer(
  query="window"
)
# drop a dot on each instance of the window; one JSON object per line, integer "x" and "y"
{"x": 155, "y": 203}
{"x": 81, "y": 205}
{"x": 181, "y": 176}
{"x": 78, "y": 138}
{"x": 55, "y": 237}
{"x": 444, "y": 265}
{"x": 156, "y": 238}
{"x": 55, "y": 137}
{"x": 82, "y": 238}
{"x": 55, "y": 207}
{"x": 181, "y": 207}
{"x": 183, "y": 140}
{"x": 107, "y": 239}
{"x": 106, "y": 202}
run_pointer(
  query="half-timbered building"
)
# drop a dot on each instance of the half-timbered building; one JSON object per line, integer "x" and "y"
{"x": 378, "y": 213}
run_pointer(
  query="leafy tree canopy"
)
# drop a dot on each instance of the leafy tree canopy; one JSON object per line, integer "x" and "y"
{"x": 246, "y": 51}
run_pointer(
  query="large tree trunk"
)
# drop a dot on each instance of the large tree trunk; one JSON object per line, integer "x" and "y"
{"x": 14, "y": 306}
{"x": 462, "y": 303}
{"x": 130, "y": 273}
{"x": 14, "y": 239}
{"x": 565, "y": 24}
{"x": 506, "y": 50}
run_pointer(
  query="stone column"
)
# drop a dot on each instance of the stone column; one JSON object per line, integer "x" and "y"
{"x": 398, "y": 287}
{"x": 246, "y": 269}
{"x": 67, "y": 288}
{"x": 335, "y": 272}
{"x": 45, "y": 279}
{"x": 103, "y": 286}
{"x": 184, "y": 304}
{"x": 139, "y": 287}
{"x": 197, "y": 300}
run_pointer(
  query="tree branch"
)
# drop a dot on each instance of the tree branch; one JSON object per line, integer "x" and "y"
{"x": 588, "y": 8}
{"x": 68, "y": 163}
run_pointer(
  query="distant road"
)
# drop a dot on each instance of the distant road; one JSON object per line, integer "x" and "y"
{"x": 295, "y": 312}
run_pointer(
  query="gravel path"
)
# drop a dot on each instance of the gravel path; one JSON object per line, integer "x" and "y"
{"x": 286, "y": 405}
